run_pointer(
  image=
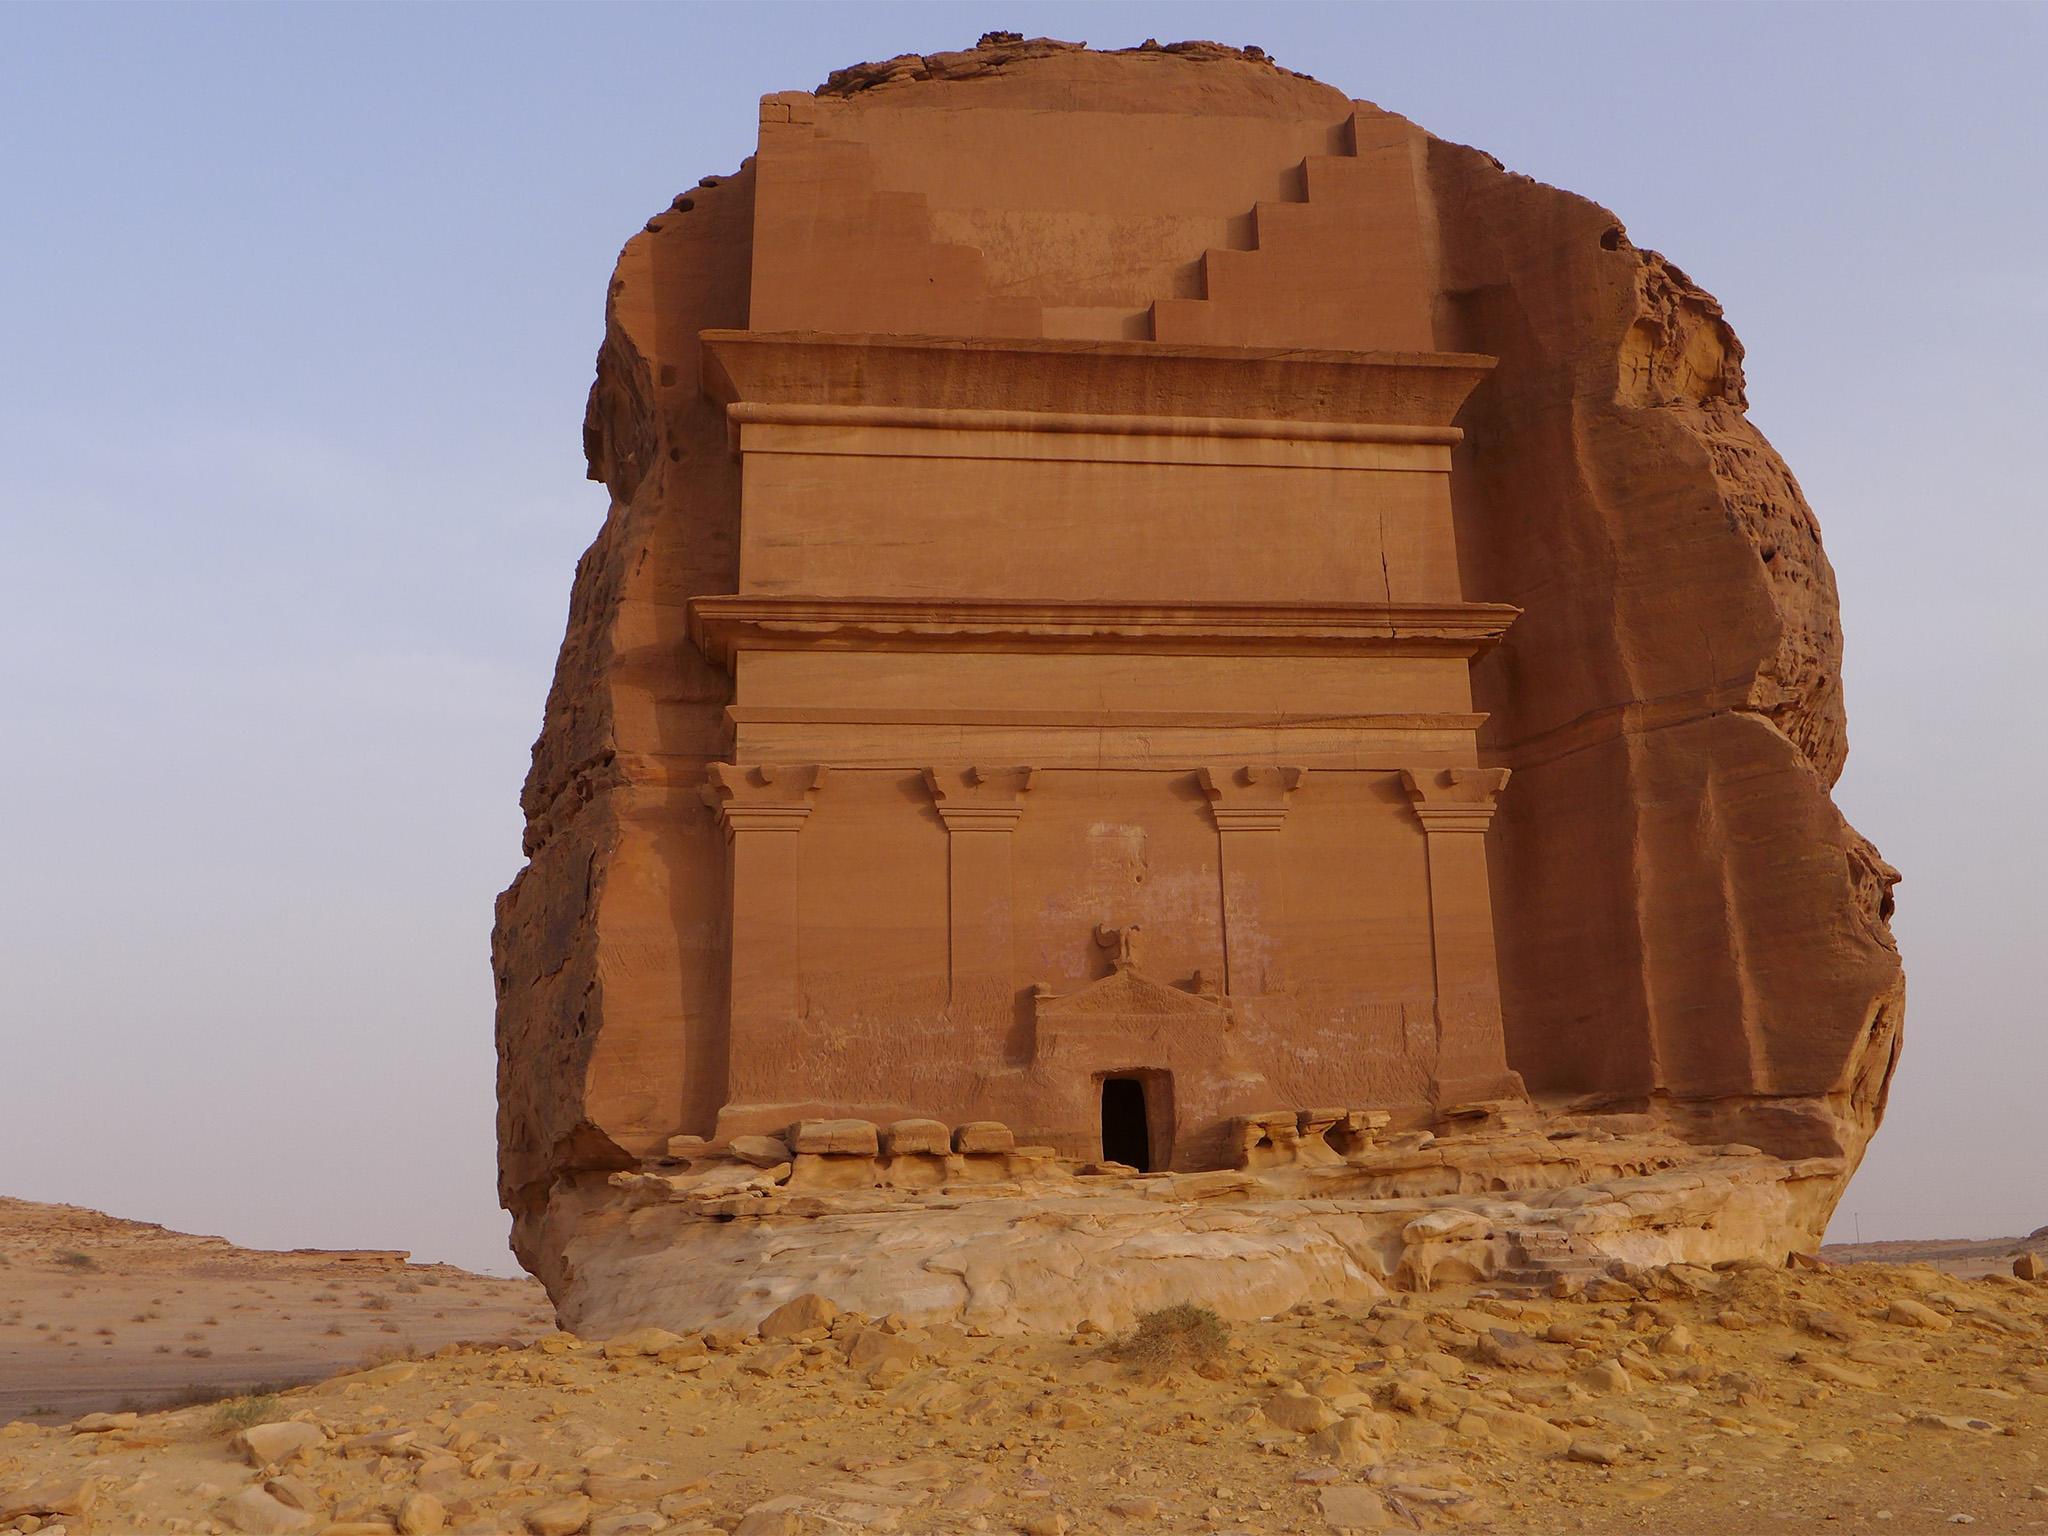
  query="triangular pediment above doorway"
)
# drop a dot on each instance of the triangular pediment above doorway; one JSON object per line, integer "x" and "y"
{"x": 1126, "y": 993}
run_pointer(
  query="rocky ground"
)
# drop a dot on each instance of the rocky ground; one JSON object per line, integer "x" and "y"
{"x": 1678, "y": 1400}
{"x": 99, "y": 1313}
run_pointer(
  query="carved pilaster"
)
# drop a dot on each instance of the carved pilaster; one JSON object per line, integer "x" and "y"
{"x": 981, "y": 807}
{"x": 1250, "y": 805}
{"x": 1455, "y": 806}
{"x": 762, "y": 808}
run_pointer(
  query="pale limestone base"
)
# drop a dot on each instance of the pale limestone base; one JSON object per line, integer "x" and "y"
{"x": 717, "y": 1245}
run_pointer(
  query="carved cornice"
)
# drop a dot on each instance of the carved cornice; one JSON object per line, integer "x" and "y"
{"x": 762, "y": 797}
{"x": 1454, "y": 799}
{"x": 1249, "y": 799}
{"x": 978, "y": 799}
{"x": 973, "y": 426}
{"x": 724, "y": 625}
{"x": 1129, "y": 379}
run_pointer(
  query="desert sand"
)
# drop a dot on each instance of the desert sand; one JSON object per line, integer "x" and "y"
{"x": 1850, "y": 1396}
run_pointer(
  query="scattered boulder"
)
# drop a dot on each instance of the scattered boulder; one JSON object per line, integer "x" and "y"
{"x": 559, "y": 1517}
{"x": 72, "y": 1496}
{"x": 1908, "y": 1313}
{"x": 835, "y": 1138}
{"x": 1347, "y": 1443}
{"x": 1514, "y": 1427}
{"x": 260, "y": 1513}
{"x": 906, "y": 1138}
{"x": 102, "y": 1423}
{"x": 641, "y": 1342}
{"x": 264, "y": 1445}
{"x": 805, "y": 1316}
{"x": 295, "y": 1491}
{"x": 1348, "y": 1507}
{"x": 981, "y": 1137}
{"x": 421, "y": 1514}
{"x": 760, "y": 1151}
{"x": 1298, "y": 1411}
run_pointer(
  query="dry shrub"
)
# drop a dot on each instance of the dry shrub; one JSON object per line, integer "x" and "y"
{"x": 1178, "y": 1338}
{"x": 241, "y": 1412}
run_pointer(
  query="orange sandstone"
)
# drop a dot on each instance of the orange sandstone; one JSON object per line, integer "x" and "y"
{"x": 1153, "y": 613}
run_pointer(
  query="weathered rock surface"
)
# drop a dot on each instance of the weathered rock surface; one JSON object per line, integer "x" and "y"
{"x": 1690, "y": 937}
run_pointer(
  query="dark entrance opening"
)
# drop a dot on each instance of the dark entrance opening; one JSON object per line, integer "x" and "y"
{"x": 1126, "y": 1134}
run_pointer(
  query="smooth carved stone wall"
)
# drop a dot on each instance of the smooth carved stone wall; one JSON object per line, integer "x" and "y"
{"x": 981, "y": 524}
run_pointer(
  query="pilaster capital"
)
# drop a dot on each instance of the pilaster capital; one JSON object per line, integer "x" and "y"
{"x": 1249, "y": 799}
{"x": 762, "y": 797}
{"x": 973, "y": 798}
{"x": 1454, "y": 799}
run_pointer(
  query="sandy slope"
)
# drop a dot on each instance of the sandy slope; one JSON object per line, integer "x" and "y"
{"x": 1682, "y": 1401}
{"x": 96, "y": 1312}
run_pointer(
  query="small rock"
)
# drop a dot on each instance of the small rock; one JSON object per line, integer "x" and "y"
{"x": 1598, "y": 1453}
{"x": 1135, "y": 1508}
{"x": 1954, "y": 1421}
{"x": 1043, "y": 1522}
{"x": 2030, "y": 1266}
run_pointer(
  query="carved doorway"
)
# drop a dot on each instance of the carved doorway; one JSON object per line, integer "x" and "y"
{"x": 1126, "y": 1128}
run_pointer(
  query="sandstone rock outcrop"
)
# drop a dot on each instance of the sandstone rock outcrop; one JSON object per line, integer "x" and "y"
{"x": 1295, "y": 493}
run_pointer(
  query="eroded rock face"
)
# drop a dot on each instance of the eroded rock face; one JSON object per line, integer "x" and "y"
{"x": 1687, "y": 932}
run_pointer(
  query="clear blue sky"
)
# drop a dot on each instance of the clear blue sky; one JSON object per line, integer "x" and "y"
{"x": 300, "y": 305}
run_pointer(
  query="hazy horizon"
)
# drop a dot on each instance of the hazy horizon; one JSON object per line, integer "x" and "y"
{"x": 303, "y": 307}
